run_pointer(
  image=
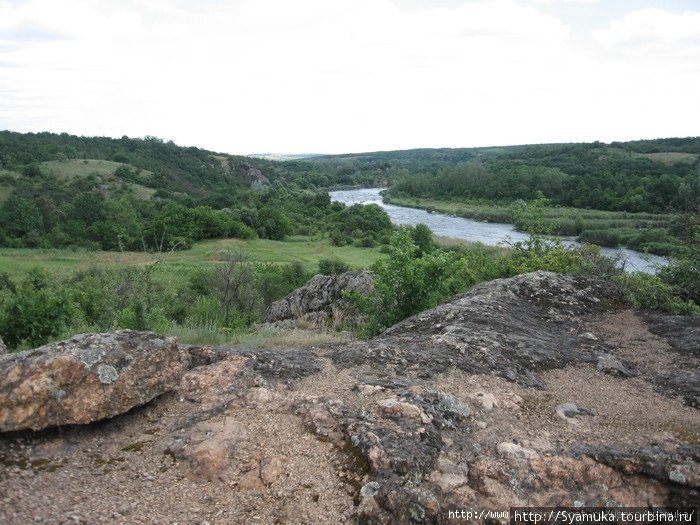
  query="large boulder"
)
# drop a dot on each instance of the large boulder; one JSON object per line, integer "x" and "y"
{"x": 513, "y": 328}
{"x": 317, "y": 300}
{"x": 86, "y": 378}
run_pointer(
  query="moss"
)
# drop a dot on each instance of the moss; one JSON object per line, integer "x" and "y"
{"x": 134, "y": 447}
{"x": 101, "y": 462}
{"x": 24, "y": 463}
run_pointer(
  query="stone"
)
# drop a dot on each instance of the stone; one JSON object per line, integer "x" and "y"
{"x": 448, "y": 482}
{"x": 86, "y": 378}
{"x": 315, "y": 302}
{"x": 609, "y": 364}
{"x": 513, "y": 450}
{"x": 3, "y": 347}
{"x": 251, "y": 481}
{"x": 679, "y": 463}
{"x": 369, "y": 489}
{"x": 506, "y": 327}
{"x": 570, "y": 410}
{"x": 487, "y": 401}
{"x": 681, "y": 331}
{"x": 393, "y": 407}
{"x": 271, "y": 469}
{"x": 207, "y": 446}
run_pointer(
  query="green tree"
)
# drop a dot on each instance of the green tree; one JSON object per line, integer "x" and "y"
{"x": 273, "y": 224}
{"x": 20, "y": 217}
{"x": 422, "y": 236}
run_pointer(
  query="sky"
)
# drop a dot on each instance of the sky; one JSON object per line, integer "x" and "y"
{"x": 334, "y": 76}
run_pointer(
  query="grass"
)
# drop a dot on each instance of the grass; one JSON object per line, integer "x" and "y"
{"x": 451, "y": 242}
{"x": 671, "y": 157}
{"x": 468, "y": 210}
{"x": 307, "y": 250}
{"x": 471, "y": 210}
{"x": 104, "y": 169}
{"x": 259, "y": 338}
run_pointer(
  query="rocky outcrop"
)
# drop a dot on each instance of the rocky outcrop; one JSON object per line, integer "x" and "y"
{"x": 86, "y": 378}
{"x": 509, "y": 327}
{"x": 320, "y": 299}
{"x": 256, "y": 174}
{"x": 532, "y": 391}
{"x": 682, "y": 332}
{"x": 3, "y": 347}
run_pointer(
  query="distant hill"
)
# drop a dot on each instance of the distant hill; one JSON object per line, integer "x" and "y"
{"x": 152, "y": 162}
{"x": 637, "y": 176}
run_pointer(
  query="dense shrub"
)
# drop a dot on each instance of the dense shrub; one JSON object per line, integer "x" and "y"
{"x": 35, "y": 311}
{"x": 405, "y": 283}
{"x": 650, "y": 292}
{"x": 332, "y": 267}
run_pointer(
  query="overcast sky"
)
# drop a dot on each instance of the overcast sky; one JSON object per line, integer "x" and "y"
{"x": 293, "y": 76}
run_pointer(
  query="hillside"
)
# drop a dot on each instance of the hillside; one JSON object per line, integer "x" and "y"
{"x": 146, "y": 194}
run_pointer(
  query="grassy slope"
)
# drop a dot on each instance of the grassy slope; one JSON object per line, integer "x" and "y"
{"x": 104, "y": 169}
{"x": 670, "y": 157}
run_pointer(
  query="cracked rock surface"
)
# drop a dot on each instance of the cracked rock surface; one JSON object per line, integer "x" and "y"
{"x": 492, "y": 400}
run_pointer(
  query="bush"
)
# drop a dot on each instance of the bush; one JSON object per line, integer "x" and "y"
{"x": 332, "y": 267}
{"x": 35, "y": 312}
{"x": 404, "y": 284}
{"x": 649, "y": 292}
{"x": 366, "y": 242}
{"x": 274, "y": 281}
{"x": 683, "y": 274}
{"x": 338, "y": 238}
{"x": 107, "y": 298}
{"x": 240, "y": 230}
{"x": 422, "y": 236}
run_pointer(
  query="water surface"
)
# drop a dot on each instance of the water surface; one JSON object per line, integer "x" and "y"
{"x": 489, "y": 233}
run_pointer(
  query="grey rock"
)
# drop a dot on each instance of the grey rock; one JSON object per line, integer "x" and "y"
{"x": 257, "y": 175}
{"x": 3, "y": 347}
{"x": 677, "y": 463}
{"x": 609, "y": 364}
{"x": 315, "y": 302}
{"x": 282, "y": 364}
{"x": 570, "y": 410}
{"x": 509, "y": 327}
{"x": 682, "y": 332}
{"x": 369, "y": 489}
{"x": 685, "y": 384}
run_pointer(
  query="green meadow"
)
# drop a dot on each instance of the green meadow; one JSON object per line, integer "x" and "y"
{"x": 306, "y": 250}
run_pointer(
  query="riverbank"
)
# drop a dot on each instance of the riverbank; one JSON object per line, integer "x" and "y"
{"x": 644, "y": 232}
{"x": 448, "y": 224}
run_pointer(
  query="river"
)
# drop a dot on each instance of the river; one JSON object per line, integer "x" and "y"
{"x": 488, "y": 233}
